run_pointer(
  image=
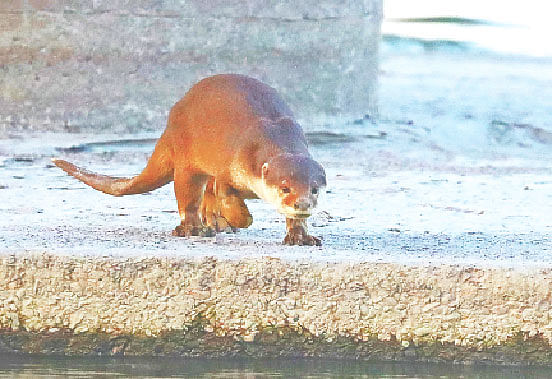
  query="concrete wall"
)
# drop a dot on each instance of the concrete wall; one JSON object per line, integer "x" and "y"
{"x": 119, "y": 65}
{"x": 266, "y": 307}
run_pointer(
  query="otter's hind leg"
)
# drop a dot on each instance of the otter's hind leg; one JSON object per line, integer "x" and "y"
{"x": 234, "y": 210}
{"x": 223, "y": 207}
{"x": 188, "y": 189}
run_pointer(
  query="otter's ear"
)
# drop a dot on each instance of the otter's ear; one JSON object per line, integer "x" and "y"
{"x": 264, "y": 170}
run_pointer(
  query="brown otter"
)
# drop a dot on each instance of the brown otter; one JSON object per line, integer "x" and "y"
{"x": 229, "y": 138}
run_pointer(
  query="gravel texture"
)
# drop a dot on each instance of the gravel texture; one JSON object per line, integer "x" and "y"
{"x": 266, "y": 306}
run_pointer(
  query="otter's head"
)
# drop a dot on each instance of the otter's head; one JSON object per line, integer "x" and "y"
{"x": 292, "y": 184}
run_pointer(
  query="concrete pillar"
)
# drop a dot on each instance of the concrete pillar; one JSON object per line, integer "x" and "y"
{"x": 120, "y": 65}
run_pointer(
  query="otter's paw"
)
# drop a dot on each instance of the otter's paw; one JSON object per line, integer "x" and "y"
{"x": 302, "y": 240}
{"x": 222, "y": 225}
{"x": 193, "y": 230}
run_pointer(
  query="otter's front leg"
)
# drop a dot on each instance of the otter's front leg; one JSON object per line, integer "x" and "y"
{"x": 297, "y": 233}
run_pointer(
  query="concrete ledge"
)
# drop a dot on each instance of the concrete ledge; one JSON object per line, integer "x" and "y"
{"x": 269, "y": 307}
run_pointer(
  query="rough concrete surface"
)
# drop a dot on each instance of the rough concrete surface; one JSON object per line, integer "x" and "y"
{"x": 379, "y": 206}
{"x": 119, "y": 66}
{"x": 423, "y": 259}
{"x": 266, "y": 307}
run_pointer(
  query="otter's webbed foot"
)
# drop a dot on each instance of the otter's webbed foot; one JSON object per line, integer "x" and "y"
{"x": 187, "y": 230}
{"x": 297, "y": 233}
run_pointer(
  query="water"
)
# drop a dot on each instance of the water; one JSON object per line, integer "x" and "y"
{"x": 95, "y": 367}
{"x": 469, "y": 79}
{"x": 505, "y": 27}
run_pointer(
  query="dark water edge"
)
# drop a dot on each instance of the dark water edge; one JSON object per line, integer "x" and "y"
{"x": 92, "y": 367}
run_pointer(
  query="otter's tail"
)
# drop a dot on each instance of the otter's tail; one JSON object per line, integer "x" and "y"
{"x": 158, "y": 172}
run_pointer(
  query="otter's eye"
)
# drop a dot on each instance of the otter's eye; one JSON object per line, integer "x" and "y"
{"x": 314, "y": 191}
{"x": 285, "y": 190}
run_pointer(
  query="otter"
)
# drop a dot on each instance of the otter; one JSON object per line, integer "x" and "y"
{"x": 230, "y": 138}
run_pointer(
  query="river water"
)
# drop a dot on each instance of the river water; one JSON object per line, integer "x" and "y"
{"x": 96, "y": 367}
{"x": 470, "y": 78}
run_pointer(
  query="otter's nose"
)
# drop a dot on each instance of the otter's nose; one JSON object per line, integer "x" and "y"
{"x": 301, "y": 205}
